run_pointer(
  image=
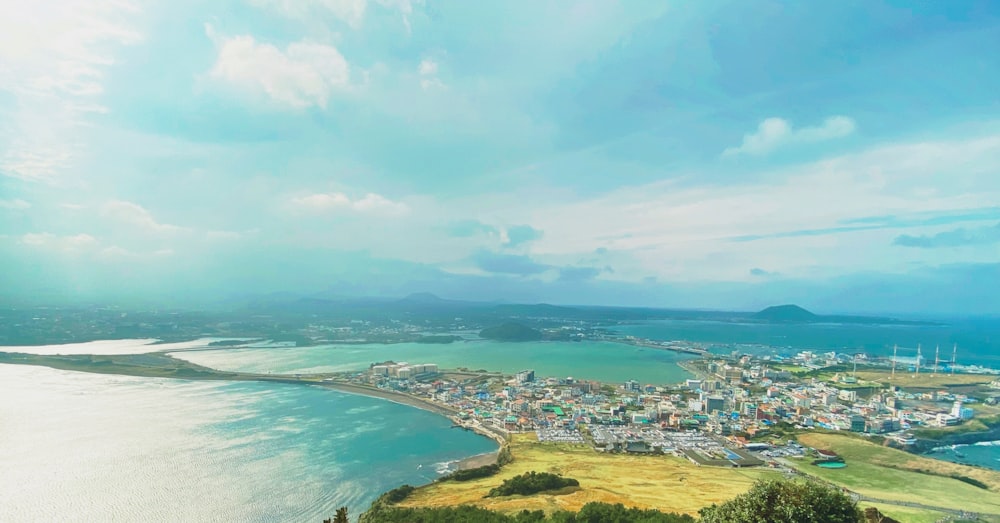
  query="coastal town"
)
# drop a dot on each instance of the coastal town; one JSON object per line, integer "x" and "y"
{"x": 732, "y": 413}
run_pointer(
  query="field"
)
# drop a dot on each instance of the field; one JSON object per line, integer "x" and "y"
{"x": 666, "y": 483}
{"x": 907, "y": 514}
{"x": 925, "y": 380}
{"x": 884, "y": 473}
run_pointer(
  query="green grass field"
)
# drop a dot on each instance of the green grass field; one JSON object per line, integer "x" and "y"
{"x": 885, "y": 473}
{"x": 907, "y": 514}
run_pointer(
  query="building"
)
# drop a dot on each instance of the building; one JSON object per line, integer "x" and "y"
{"x": 945, "y": 420}
{"x": 858, "y": 423}
{"x": 958, "y": 411}
{"x": 715, "y": 403}
{"x": 848, "y": 395}
{"x": 526, "y": 376}
{"x": 732, "y": 375}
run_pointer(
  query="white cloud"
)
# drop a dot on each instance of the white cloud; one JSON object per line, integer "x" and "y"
{"x": 14, "y": 205}
{"x": 376, "y": 203}
{"x": 428, "y": 71}
{"x": 54, "y": 56}
{"x": 370, "y": 203}
{"x": 65, "y": 243}
{"x": 303, "y": 75}
{"x": 323, "y": 201}
{"x": 773, "y": 133}
{"x": 427, "y": 67}
{"x": 350, "y": 11}
{"x": 803, "y": 215}
{"x": 136, "y": 216}
{"x": 116, "y": 252}
{"x": 405, "y": 8}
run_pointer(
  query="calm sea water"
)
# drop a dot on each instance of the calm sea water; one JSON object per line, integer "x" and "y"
{"x": 985, "y": 454}
{"x": 978, "y": 340}
{"x": 609, "y": 362}
{"x": 90, "y": 447}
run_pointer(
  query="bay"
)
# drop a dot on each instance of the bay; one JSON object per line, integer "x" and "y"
{"x": 978, "y": 340}
{"x": 92, "y": 447}
{"x": 602, "y": 361}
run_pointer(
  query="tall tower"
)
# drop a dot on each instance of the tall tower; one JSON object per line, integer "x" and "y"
{"x": 918, "y": 359}
{"x": 954, "y": 354}
{"x": 937, "y": 358}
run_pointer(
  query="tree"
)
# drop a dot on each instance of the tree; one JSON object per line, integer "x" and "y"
{"x": 341, "y": 516}
{"x": 786, "y": 502}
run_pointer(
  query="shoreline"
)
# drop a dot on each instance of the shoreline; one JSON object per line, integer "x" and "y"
{"x": 479, "y": 460}
{"x": 400, "y": 398}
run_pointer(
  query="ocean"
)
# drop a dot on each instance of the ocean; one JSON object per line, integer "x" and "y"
{"x": 602, "y": 361}
{"x": 92, "y": 447}
{"x": 978, "y": 340}
{"x": 985, "y": 454}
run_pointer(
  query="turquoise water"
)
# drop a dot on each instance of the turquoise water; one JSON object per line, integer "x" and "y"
{"x": 985, "y": 454}
{"x": 90, "y": 447}
{"x": 609, "y": 362}
{"x": 978, "y": 340}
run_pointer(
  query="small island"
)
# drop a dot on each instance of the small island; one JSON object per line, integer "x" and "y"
{"x": 786, "y": 313}
{"x": 511, "y": 332}
{"x": 795, "y": 314}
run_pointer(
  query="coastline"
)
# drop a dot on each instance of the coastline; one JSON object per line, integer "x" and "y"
{"x": 183, "y": 370}
{"x": 479, "y": 460}
{"x": 475, "y": 461}
{"x": 395, "y": 397}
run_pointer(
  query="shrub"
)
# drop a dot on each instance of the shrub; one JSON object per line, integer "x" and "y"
{"x": 532, "y": 483}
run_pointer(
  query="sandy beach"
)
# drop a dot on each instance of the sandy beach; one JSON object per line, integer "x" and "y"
{"x": 479, "y": 460}
{"x": 396, "y": 397}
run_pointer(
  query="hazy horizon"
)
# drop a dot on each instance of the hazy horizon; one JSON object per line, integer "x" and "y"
{"x": 713, "y": 155}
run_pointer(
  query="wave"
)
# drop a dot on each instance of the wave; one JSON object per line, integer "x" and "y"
{"x": 445, "y": 467}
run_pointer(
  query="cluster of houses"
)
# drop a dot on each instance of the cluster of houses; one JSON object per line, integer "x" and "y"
{"x": 736, "y": 399}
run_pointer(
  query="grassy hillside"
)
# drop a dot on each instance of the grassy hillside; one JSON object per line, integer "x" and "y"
{"x": 924, "y": 380}
{"x": 666, "y": 483}
{"x": 885, "y": 473}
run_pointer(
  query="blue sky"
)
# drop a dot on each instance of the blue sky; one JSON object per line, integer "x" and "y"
{"x": 731, "y": 155}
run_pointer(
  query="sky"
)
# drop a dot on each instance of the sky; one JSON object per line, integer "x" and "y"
{"x": 844, "y": 156}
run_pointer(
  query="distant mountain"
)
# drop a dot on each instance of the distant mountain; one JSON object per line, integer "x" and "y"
{"x": 786, "y": 313}
{"x": 425, "y": 298}
{"x": 511, "y": 332}
{"x": 796, "y": 314}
